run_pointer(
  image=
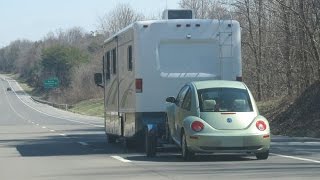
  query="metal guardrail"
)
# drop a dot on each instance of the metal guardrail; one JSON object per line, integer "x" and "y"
{"x": 59, "y": 106}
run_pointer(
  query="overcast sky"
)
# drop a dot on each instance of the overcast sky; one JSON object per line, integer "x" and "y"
{"x": 33, "y": 19}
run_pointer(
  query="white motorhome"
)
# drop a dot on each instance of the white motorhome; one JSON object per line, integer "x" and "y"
{"x": 150, "y": 60}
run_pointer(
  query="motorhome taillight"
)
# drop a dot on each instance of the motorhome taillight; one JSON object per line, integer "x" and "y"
{"x": 138, "y": 85}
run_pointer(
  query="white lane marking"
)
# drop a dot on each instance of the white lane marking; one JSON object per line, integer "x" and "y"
{"x": 52, "y": 130}
{"x": 83, "y": 143}
{"x": 37, "y": 124}
{"x": 62, "y": 134}
{"x": 43, "y": 127}
{"x": 32, "y": 122}
{"x": 11, "y": 107}
{"x": 296, "y": 143}
{"x": 80, "y": 122}
{"x": 296, "y": 158}
{"x": 121, "y": 159}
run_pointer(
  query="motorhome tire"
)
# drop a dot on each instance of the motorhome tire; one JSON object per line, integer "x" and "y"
{"x": 150, "y": 144}
{"x": 111, "y": 138}
{"x": 130, "y": 143}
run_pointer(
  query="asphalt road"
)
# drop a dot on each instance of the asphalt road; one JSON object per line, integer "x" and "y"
{"x": 41, "y": 142}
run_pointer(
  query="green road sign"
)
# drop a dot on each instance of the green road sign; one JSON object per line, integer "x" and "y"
{"x": 51, "y": 83}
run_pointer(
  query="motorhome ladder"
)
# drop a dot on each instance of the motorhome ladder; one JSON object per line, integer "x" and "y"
{"x": 225, "y": 41}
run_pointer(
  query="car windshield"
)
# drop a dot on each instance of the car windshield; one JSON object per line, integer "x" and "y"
{"x": 224, "y": 100}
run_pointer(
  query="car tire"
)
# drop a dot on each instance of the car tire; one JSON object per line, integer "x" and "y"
{"x": 150, "y": 144}
{"x": 263, "y": 155}
{"x": 187, "y": 155}
{"x": 130, "y": 143}
{"x": 168, "y": 134}
{"x": 111, "y": 139}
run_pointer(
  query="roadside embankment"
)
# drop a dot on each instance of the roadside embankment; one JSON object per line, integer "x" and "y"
{"x": 298, "y": 116}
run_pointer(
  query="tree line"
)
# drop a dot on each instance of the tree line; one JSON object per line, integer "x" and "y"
{"x": 71, "y": 55}
{"x": 63, "y": 54}
{"x": 280, "y": 41}
{"x": 280, "y": 47}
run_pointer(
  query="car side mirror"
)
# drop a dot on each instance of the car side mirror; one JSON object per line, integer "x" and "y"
{"x": 98, "y": 79}
{"x": 171, "y": 99}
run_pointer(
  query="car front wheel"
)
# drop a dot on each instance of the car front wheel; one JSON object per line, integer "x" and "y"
{"x": 187, "y": 155}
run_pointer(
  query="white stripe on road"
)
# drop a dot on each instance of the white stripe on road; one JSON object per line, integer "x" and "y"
{"x": 121, "y": 159}
{"x": 43, "y": 127}
{"x": 83, "y": 143}
{"x": 296, "y": 158}
{"x": 62, "y": 134}
{"x": 52, "y": 130}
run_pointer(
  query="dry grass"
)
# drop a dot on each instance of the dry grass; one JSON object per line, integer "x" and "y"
{"x": 92, "y": 107}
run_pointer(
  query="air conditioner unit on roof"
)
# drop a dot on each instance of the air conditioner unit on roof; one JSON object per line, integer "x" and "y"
{"x": 178, "y": 14}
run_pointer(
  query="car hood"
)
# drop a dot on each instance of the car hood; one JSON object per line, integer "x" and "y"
{"x": 228, "y": 121}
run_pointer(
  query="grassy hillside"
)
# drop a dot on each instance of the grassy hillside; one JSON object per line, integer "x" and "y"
{"x": 299, "y": 116}
{"x": 92, "y": 107}
{"x": 302, "y": 116}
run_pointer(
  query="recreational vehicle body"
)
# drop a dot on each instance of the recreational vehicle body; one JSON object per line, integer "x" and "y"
{"x": 150, "y": 60}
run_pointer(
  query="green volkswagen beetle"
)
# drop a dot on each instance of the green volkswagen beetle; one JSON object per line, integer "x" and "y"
{"x": 217, "y": 117}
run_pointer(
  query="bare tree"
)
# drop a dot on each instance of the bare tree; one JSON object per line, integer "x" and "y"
{"x": 252, "y": 12}
{"x": 121, "y": 16}
{"x": 210, "y": 9}
{"x": 280, "y": 45}
{"x": 27, "y": 57}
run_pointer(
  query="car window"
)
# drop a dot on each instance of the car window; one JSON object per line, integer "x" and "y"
{"x": 186, "y": 104}
{"x": 181, "y": 95}
{"x": 224, "y": 100}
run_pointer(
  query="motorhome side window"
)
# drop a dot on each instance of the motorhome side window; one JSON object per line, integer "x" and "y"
{"x": 114, "y": 61}
{"x": 103, "y": 65}
{"x": 108, "y": 70}
{"x": 129, "y": 58}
